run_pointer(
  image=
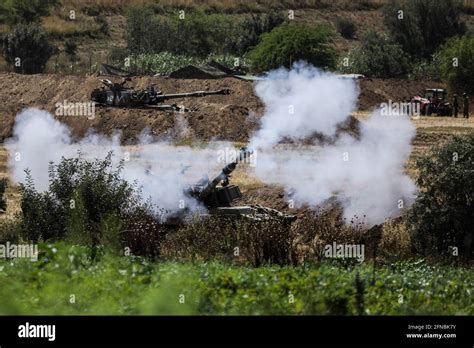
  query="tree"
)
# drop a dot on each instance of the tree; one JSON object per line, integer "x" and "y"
{"x": 288, "y": 43}
{"x": 442, "y": 216}
{"x": 377, "y": 56}
{"x": 420, "y": 26}
{"x": 251, "y": 28}
{"x": 27, "y": 49}
{"x": 457, "y": 63}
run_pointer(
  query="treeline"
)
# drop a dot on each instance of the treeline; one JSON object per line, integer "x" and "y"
{"x": 424, "y": 39}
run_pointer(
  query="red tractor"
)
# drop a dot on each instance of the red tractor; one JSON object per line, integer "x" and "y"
{"x": 434, "y": 101}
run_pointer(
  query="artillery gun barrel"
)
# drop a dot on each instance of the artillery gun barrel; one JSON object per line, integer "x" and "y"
{"x": 196, "y": 94}
{"x": 226, "y": 171}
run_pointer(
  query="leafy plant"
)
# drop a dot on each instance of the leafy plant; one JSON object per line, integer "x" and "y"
{"x": 87, "y": 203}
{"x": 197, "y": 34}
{"x": 377, "y": 56}
{"x": 251, "y": 28}
{"x": 441, "y": 218}
{"x": 289, "y": 43}
{"x": 456, "y": 63}
{"x": 420, "y": 26}
{"x": 27, "y": 49}
{"x": 25, "y": 11}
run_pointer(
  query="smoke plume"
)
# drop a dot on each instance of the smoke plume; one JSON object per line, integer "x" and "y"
{"x": 365, "y": 174}
{"x": 162, "y": 170}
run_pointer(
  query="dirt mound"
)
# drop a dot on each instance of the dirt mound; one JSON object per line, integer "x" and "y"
{"x": 214, "y": 117}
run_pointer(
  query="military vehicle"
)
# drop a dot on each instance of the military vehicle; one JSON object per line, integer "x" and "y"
{"x": 433, "y": 102}
{"x": 217, "y": 195}
{"x": 119, "y": 95}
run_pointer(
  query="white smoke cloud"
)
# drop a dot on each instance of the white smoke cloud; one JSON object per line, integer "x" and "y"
{"x": 365, "y": 174}
{"x": 300, "y": 102}
{"x": 162, "y": 170}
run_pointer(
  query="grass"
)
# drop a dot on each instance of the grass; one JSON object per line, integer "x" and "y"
{"x": 65, "y": 281}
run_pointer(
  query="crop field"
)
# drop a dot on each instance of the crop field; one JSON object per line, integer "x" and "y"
{"x": 64, "y": 281}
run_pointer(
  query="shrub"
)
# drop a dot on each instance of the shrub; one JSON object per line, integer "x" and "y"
{"x": 196, "y": 35}
{"x": 346, "y": 27}
{"x": 441, "y": 216}
{"x": 25, "y": 11}
{"x": 461, "y": 76}
{"x": 251, "y": 28}
{"x": 292, "y": 42}
{"x": 425, "y": 24}
{"x": 87, "y": 202}
{"x": 427, "y": 69}
{"x": 27, "y": 48}
{"x": 377, "y": 56}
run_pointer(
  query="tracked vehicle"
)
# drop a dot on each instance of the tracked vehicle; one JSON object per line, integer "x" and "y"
{"x": 217, "y": 197}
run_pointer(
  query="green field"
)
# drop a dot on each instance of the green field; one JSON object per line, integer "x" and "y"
{"x": 64, "y": 280}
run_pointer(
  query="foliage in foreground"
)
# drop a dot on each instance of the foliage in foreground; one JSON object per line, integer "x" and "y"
{"x": 442, "y": 216}
{"x": 89, "y": 203}
{"x": 65, "y": 280}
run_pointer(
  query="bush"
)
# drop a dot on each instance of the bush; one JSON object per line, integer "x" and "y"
{"x": 441, "y": 216}
{"x": 30, "y": 45}
{"x": 377, "y": 56}
{"x": 251, "y": 28}
{"x": 25, "y": 11}
{"x": 346, "y": 27}
{"x": 87, "y": 203}
{"x": 3, "y": 187}
{"x": 426, "y": 69}
{"x": 425, "y": 24}
{"x": 460, "y": 77}
{"x": 292, "y": 42}
{"x": 195, "y": 35}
